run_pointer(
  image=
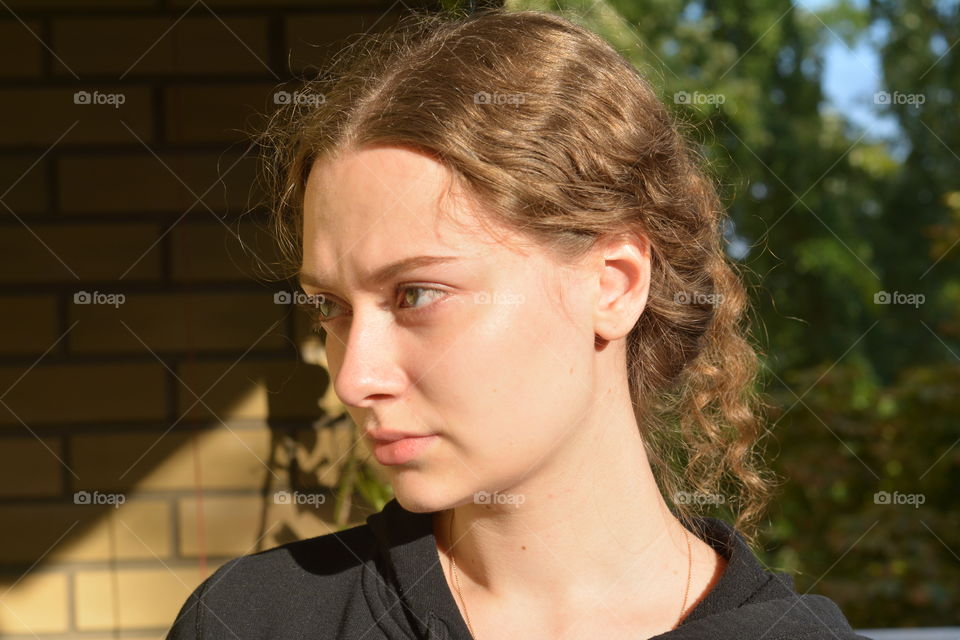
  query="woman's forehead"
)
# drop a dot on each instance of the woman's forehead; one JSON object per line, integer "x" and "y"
{"x": 385, "y": 171}
{"x": 385, "y": 196}
{"x": 391, "y": 189}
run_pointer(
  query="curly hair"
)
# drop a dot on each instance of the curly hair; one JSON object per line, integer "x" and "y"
{"x": 561, "y": 139}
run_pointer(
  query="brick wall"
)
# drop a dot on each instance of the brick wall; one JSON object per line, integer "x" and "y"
{"x": 153, "y": 395}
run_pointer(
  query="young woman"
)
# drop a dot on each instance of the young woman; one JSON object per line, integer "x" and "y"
{"x": 518, "y": 267}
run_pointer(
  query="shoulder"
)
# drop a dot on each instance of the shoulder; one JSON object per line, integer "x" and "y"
{"x": 326, "y": 555}
{"x": 265, "y": 591}
{"x": 748, "y": 599}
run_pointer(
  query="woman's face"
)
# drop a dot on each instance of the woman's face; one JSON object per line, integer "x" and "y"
{"x": 479, "y": 350}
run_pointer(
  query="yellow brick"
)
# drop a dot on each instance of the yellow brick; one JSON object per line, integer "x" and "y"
{"x": 220, "y": 251}
{"x": 28, "y": 324}
{"x": 128, "y": 599}
{"x": 74, "y": 253}
{"x": 325, "y": 451}
{"x": 142, "y": 183}
{"x": 231, "y": 524}
{"x": 134, "y": 635}
{"x": 26, "y": 182}
{"x": 20, "y": 52}
{"x": 286, "y": 522}
{"x": 137, "y": 635}
{"x": 37, "y": 604}
{"x": 33, "y": 530}
{"x": 196, "y": 44}
{"x": 136, "y": 530}
{"x": 29, "y": 466}
{"x": 215, "y": 113}
{"x": 309, "y": 340}
{"x": 74, "y": 4}
{"x": 252, "y": 390}
{"x": 203, "y": 321}
{"x": 43, "y": 115}
{"x": 228, "y": 459}
{"x": 79, "y": 393}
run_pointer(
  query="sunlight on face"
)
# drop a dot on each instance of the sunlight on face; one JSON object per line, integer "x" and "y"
{"x": 475, "y": 348}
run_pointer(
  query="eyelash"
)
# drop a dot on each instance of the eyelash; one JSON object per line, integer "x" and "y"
{"x": 319, "y": 322}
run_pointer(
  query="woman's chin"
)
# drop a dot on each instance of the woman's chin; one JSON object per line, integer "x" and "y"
{"x": 418, "y": 498}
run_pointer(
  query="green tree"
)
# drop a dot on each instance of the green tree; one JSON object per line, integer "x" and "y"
{"x": 836, "y": 229}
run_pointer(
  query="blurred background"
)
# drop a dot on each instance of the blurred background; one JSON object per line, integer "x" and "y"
{"x": 164, "y": 407}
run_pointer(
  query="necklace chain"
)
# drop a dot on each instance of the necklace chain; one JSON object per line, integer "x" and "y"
{"x": 456, "y": 576}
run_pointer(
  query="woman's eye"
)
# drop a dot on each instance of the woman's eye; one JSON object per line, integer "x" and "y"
{"x": 411, "y": 299}
{"x": 322, "y": 315}
{"x": 325, "y": 309}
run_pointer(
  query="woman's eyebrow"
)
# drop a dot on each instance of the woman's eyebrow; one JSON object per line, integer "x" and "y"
{"x": 386, "y": 272}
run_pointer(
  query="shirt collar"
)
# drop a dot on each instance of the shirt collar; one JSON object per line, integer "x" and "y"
{"x": 413, "y": 563}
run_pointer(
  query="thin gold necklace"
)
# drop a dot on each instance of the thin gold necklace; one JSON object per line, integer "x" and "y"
{"x": 456, "y": 577}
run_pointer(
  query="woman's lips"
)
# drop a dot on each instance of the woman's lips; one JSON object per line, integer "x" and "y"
{"x": 401, "y": 451}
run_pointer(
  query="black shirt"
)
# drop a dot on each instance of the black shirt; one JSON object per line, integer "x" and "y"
{"x": 383, "y": 581}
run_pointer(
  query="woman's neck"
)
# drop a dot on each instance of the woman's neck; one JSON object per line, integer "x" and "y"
{"x": 590, "y": 522}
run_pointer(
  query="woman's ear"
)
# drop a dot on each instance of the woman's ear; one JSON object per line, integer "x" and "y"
{"x": 624, "y": 285}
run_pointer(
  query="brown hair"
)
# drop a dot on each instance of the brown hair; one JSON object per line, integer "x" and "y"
{"x": 560, "y": 138}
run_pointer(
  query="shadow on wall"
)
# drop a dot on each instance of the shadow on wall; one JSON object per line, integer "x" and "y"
{"x": 155, "y": 395}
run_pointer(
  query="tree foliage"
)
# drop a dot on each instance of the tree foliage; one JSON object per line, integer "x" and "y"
{"x": 851, "y": 243}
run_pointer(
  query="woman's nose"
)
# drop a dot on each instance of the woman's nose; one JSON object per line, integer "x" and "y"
{"x": 364, "y": 364}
